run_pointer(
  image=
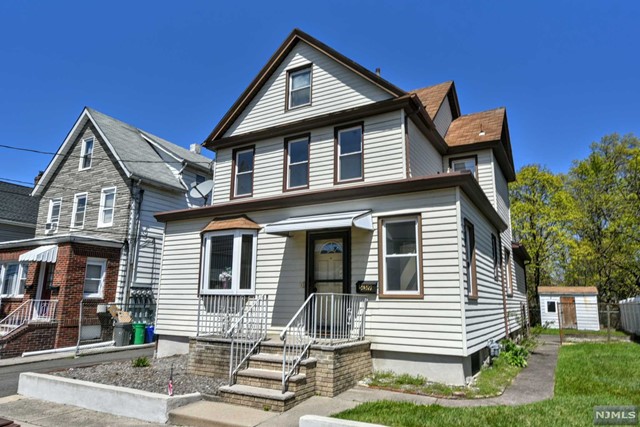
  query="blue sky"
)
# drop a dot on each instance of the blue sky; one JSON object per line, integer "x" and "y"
{"x": 567, "y": 71}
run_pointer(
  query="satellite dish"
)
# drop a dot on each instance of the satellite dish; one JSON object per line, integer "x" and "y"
{"x": 202, "y": 190}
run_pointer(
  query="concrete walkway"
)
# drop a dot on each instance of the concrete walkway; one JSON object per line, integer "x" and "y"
{"x": 533, "y": 384}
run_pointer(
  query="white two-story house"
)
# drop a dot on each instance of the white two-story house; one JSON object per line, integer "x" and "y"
{"x": 352, "y": 210}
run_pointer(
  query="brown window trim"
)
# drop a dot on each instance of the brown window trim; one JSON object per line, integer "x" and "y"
{"x": 509, "y": 271}
{"x": 286, "y": 89}
{"x": 285, "y": 173}
{"x": 234, "y": 154}
{"x": 473, "y": 294}
{"x": 336, "y": 157}
{"x": 420, "y": 295}
{"x": 470, "y": 156}
{"x": 495, "y": 255}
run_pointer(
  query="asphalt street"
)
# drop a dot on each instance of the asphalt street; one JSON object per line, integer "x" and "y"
{"x": 9, "y": 375}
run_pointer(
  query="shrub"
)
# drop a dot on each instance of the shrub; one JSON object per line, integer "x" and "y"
{"x": 141, "y": 362}
{"x": 514, "y": 354}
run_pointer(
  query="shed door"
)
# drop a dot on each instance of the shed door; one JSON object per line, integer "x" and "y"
{"x": 568, "y": 311}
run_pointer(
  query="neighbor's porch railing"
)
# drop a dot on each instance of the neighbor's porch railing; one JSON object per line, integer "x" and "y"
{"x": 247, "y": 333}
{"x": 30, "y": 310}
{"x": 217, "y": 313}
{"x": 323, "y": 319}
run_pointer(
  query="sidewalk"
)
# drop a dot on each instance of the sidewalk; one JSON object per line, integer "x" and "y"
{"x": 533, "y": 384}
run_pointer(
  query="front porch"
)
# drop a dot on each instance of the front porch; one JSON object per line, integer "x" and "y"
{"x": 322, "y": 350}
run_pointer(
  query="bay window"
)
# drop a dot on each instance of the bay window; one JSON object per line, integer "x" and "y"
{"x": 229, "y": 262}
{"x": 400, "y": 256}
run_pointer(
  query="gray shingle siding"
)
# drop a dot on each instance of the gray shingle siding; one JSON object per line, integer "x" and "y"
{"x": 67, "y": 181}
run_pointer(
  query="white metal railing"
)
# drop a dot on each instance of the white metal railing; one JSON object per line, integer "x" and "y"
{"x": 30, "y": 310}
{"x": 322, "y": 319}
{"x": 630, "y": 315}
{"x": 217, "y": 313}
{"x": 247, "y": 333}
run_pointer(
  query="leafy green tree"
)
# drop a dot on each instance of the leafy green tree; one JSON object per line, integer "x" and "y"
{"x": 539, "y": 204}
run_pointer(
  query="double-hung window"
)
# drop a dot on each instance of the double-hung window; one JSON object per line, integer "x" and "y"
{"x": 243, "y": 172}
{"x": 229, "y": 262}
{"x": 79, "y": 210}
{"x": 349, "y": 153}
{"x": 495, "y": 255}
{"x": 464, "y": 164}
{"x": 86, "y": 154}
{"x": 94, "y": 277}
{"x": 53, "y": 218}
{"x": 400, "y": 244}
{"x": 470, "y": 259}
{"x": 297, "y": 162}
{"x": 508, "y": 272}
{"x": 13, "y": 279}
{"x": 107, "y": 207}
{"x": 299, "y": 87}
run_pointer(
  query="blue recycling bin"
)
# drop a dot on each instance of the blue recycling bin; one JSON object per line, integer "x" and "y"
{"x": 149, "y": 335}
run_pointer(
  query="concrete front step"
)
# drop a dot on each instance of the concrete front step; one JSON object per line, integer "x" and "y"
{"x": 217, "y": 414}
{"x": 269, "y": 379}
{"x": 258, "y": 397}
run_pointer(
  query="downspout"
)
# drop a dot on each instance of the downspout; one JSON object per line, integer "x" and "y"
{"x": 133, "y": 238}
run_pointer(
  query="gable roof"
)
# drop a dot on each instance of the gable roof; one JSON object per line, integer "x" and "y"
{"x": 276, "y": 59}
{"x": 133, "y": 150}
{"x": 16, "y": 204}
{"x": 432, "y": 98}
{"x": 486, "y": 129}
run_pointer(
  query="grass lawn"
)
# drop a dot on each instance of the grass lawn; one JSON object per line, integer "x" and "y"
{"x": 572, "y": 332}
{"x": 587, "y": 375}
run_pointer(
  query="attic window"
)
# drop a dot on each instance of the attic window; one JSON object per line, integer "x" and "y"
{"x": 299, "y": 87}
{"x": 86, "y": 154}
{"x": 464, "y": 164}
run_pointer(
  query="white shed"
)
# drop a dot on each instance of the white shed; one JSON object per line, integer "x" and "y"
{"x": 576, "y": 307}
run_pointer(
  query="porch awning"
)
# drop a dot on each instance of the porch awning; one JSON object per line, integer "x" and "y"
{"x": 358, "y": 219}
{"x": 47, "y": 253}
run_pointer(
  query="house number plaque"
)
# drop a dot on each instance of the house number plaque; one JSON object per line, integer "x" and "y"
{"x": 367, "y": 287}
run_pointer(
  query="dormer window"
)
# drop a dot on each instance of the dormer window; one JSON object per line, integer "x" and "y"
{"x": 299, "y": 87}
{"x": 86, "y": 155}
{"x": 464, "y": 164}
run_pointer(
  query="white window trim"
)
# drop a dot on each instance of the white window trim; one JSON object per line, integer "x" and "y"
{"x": 103, "y": 195}
{"x": 340, "y": 155}
{"x": 470, "y": 159}
{"x": 383, "y": 237}
{"x": 555, "y": 305}
{"x": 237, "y": 251}
{"x": 237, "y": 174}
{"x": 75, "y": 208}
{"x": 508, "y": 271}
{"x": 83, "y": 153}
{"x": 289, "y": 163}
{"x": 306, "y": 69}
{"x": 16, "y": 284}
{"x": 57, "y": 200}
{"x": 103, "y": 264}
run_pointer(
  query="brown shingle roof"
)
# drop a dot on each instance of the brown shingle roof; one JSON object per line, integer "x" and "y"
{"x": 237, "y": 223}
{"x": 590, "y": 290}
{"x": 433, "y": 96}
{"x": 467, "y": 129}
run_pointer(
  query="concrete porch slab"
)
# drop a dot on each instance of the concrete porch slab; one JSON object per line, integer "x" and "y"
{"x": 217, "y": 414}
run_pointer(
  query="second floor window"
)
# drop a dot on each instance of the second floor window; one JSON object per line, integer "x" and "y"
{"x": 55, "y": 205}
{"x": 107, "y": 207}
{"x": 86, "y": 155}
{"x": 297, "y": 160}
{"x": 299, "y": 87}
{"x": 349, "y": 153}
{"x": 464, "y": 164}
{"x": 243, "y": 173}
{"x": 79, "y": 209}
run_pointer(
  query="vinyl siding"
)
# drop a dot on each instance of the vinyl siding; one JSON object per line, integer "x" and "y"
{"x": 484, "y": 317}
{"x": 443, "y": 118}
{"x": 334, "y": 88}
{"x": 502, "y": 195}
{"x": 429, "y": 325}
{"x": 586, "y": 311}
{"x": 424, "y": 159}
{"x": 15, "y": 232}
{"x": 383, "y": 159}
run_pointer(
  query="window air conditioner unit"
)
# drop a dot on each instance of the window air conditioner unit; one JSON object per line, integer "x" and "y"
{"x": 50, "y": 227}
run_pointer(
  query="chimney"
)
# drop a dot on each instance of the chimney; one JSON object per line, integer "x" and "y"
{"x": 195, "y": 148}
{"x": 378, "y": 72}
{"x": 38, "y": 177}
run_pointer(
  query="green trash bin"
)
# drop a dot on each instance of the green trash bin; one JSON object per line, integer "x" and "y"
{"x": 138, "y": 333}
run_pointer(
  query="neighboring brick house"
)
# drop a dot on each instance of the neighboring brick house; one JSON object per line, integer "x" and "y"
{"x": 95, "y": 236}
{"x": 18, "y": 212}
